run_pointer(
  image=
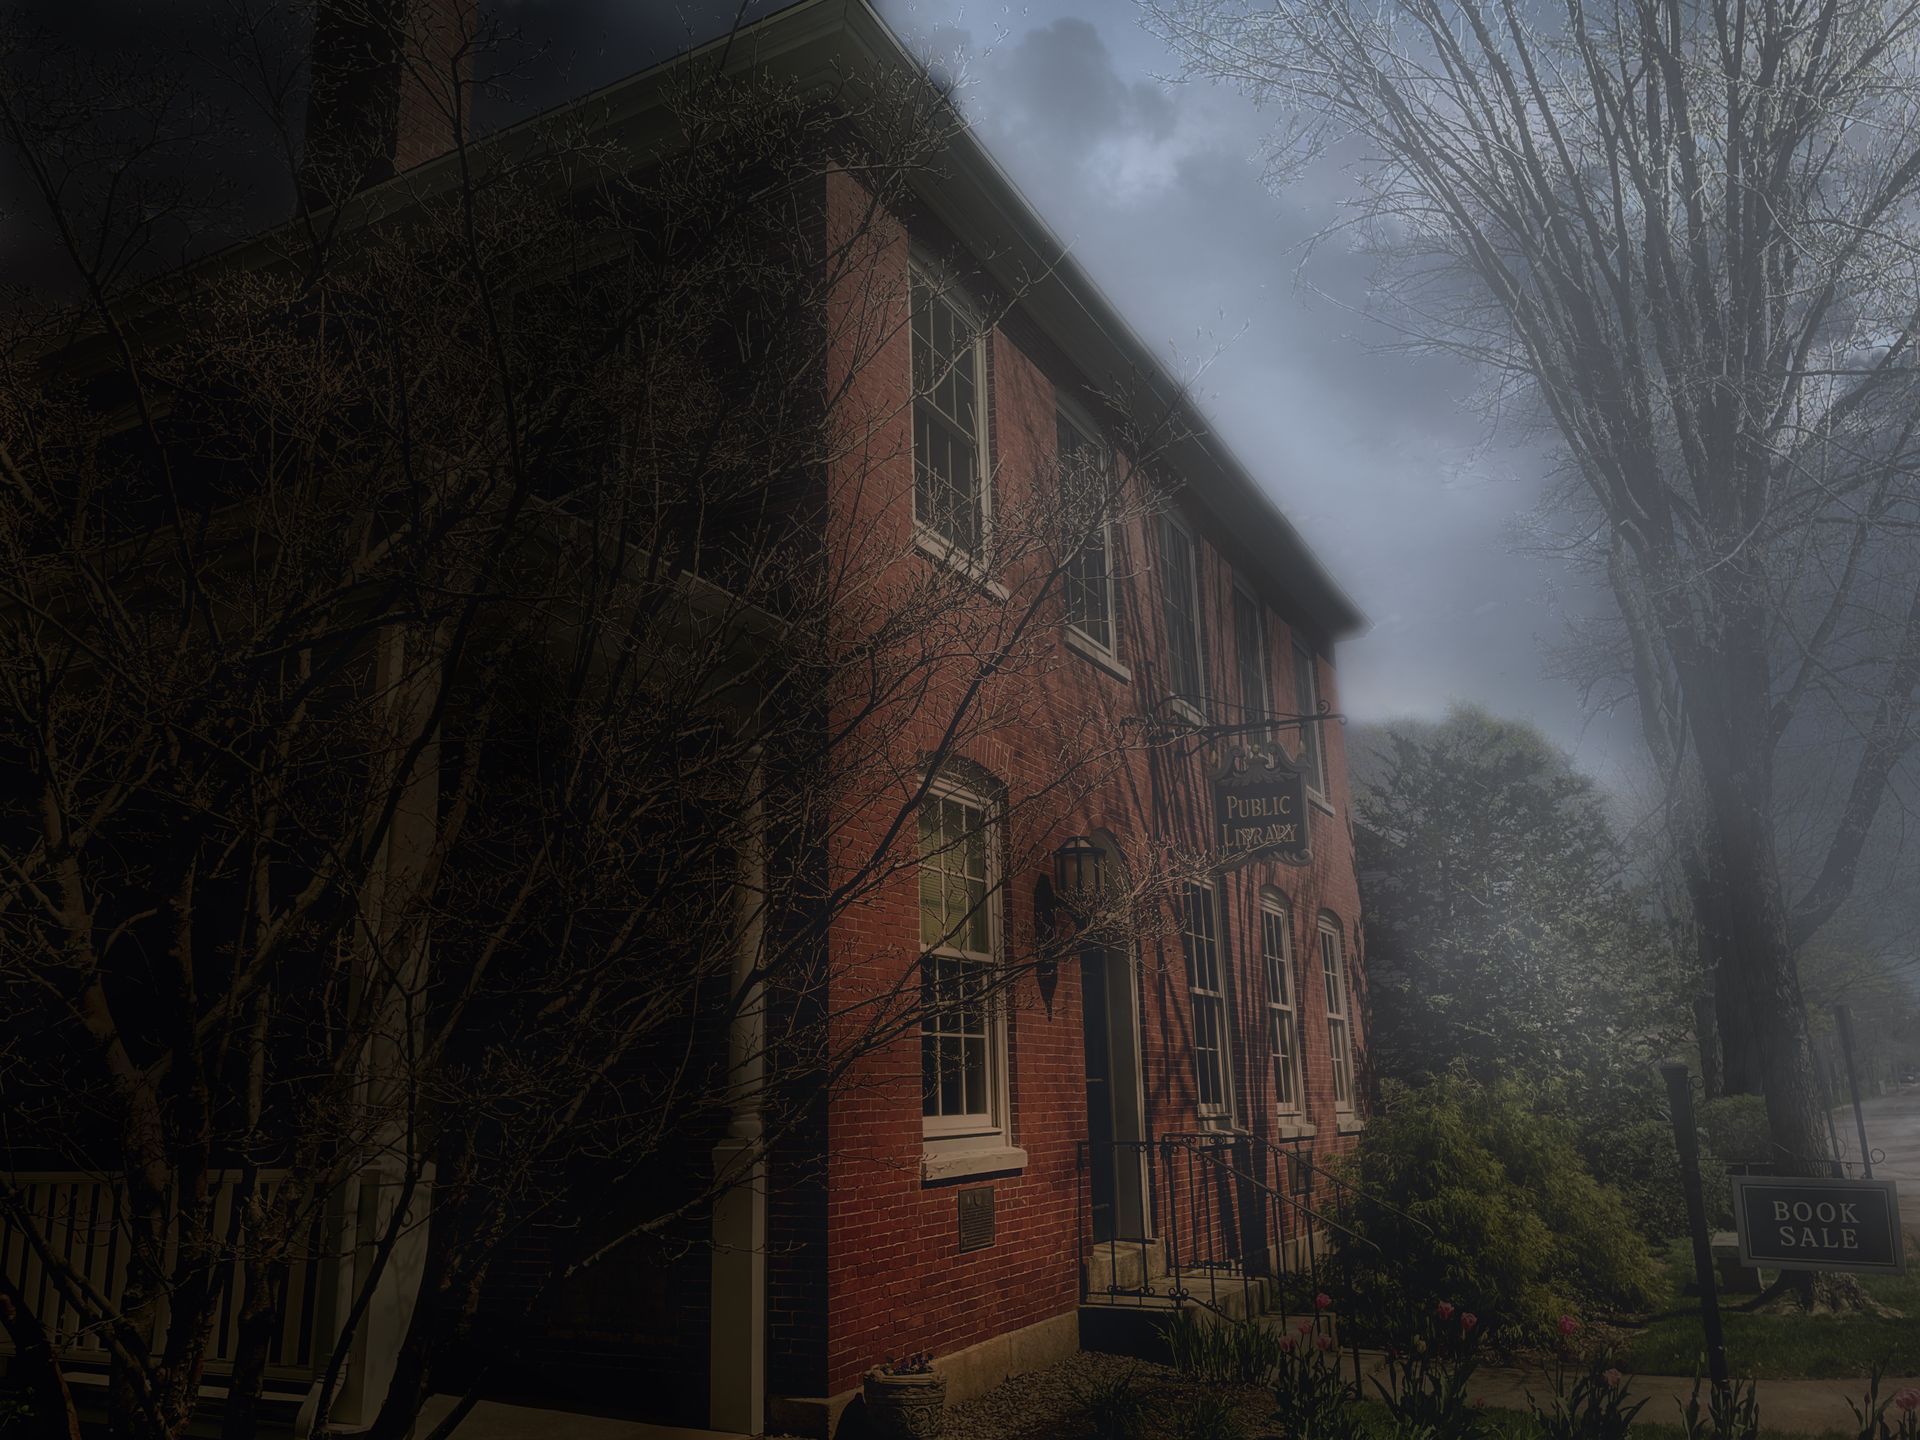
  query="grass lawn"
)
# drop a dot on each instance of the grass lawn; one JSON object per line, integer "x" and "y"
{"x": 1781, "y": 1347}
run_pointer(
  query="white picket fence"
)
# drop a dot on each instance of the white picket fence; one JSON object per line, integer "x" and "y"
{"x": 81, "y": 1219}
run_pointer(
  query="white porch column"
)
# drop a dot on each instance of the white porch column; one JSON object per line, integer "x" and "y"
{"x": 737, "y": 1339}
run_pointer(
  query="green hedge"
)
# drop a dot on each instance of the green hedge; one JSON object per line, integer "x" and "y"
{"x": 1490, "y": 1208}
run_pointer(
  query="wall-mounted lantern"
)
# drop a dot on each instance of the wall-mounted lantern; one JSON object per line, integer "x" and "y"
{"x": 1079, "y": 874}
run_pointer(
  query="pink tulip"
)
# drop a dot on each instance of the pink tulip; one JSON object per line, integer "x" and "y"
{"x": 1908, "y": 1400}
{"x": 1568, "y": 1325}
{"x": 1468, "y": 1321}
{"x": 1611, "y": 1379}
{"x": 1286, "y": 1344}
{"x": 1324, "y": 1342}
{"x": 1444, "y": 1310}
{"x": 1304, "y": 1326}
{"x": 1322, "y": 1300}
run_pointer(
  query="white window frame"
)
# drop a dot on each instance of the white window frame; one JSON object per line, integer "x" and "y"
{"x": 1193, "y": 706}
{"x": 976, "y": 1141}
{"x": 1283, "y": 1005}
{"x": 1313, "y": 745}
{"x": 1260, "y": 704}
{"x": 1338, "y": 989}
{"x": 941, "y": 287}
{"x": 1208, "y": 996}
{"x": 1069, "y": 416}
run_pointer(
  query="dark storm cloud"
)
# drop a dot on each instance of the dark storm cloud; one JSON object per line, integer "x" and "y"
{"x": 1383, "y": 460}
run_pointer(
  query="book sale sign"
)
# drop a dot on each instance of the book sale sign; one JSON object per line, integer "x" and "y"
{"x": 1797, "y": 1223}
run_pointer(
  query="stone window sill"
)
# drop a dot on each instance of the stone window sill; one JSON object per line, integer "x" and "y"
{"x": 1350, "y": 1124}
{"x": 956, "y": 1163}
{"x": 1092, "y": 652}
{"x": 1294, "y": 1129}
{"x": 938, "y": 548}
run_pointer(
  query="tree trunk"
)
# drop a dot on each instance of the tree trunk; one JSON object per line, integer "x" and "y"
{"x": 1706, "y": 1032}
{"x": 1759, "y": 980}
{"x": 259, "y": 1320}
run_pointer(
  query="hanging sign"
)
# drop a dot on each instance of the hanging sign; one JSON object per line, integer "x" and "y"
{"x": 1799, "y": 1223}
{"x": 1260, "y": 808}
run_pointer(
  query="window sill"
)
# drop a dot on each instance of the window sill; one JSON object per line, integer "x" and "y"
{"x": 1349, "y": 1123}
{"x": 938, "y": 1162}
{"x": 1294, "y": 1129}
{"x": 1184, "y": 709}
{"x": 1097, "y": 655}
{"x": 938, "y": 548}
{"x": 1320, "y": 802}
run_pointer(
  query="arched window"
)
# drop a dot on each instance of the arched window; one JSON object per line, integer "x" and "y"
{"x": 962, "y": 1064}
{"x": 1333, "y": 973}
{"x": 1207, "y": 989}
{"x": 1283, "y": 1033}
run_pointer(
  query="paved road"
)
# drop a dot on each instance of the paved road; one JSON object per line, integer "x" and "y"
{"x": 1893, "y": 1127}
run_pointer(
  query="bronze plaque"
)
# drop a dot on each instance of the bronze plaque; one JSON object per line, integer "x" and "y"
{"x": 976, "y": 1218}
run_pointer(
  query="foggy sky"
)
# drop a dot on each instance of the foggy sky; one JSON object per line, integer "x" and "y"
{"x": 1380, "y": 460}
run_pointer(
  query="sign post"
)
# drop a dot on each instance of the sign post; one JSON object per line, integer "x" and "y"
{"x": 1843, "y": 1020}
{"x": 1793, "y": 1222}
{"x": 1260, "y": 808}
{"x": 1687, "y": 1140}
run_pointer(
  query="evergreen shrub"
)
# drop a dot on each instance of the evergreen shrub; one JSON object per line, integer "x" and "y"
{"x": 1484, "y": 1201}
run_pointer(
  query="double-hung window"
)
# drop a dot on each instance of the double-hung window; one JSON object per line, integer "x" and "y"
{"x": 960, "y": 1038}
{"x": 1084, "y": 485}
{"x": 949, "y": 418}
{"x": 1283, "y": 1036}
{"x": 1180, "y": 585}
{"x": 1206, "y": 986}
{"x": 1333, "y": 971}
{"x": 1306, "y": 695}
{"x": 1250, "y": 651}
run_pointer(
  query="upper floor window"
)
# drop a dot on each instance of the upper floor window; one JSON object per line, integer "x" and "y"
{"x": 1084, "y": 481}
{"x": 960, "y": 1045}
{"x": 1306, "y": 695}
{"x": 1181, "y": 586}
{"x": 1276, "y": 957}
{"x": 1250, "y": 650}
{"x": 1333, "y": 972}
{"x": 949, "y": 417}
{"x": 1206, "y": 986}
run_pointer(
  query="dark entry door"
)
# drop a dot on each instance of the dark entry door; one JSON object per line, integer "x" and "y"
{"x": 1097, "y": 1011}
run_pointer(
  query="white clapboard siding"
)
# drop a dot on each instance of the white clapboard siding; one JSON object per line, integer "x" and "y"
{"x": 80, "y": 1218}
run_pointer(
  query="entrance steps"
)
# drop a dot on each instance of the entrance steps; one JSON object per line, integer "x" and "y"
{"x": 1131, "y": 1298}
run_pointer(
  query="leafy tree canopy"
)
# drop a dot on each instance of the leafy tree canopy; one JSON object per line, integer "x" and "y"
{"x": 1505, "y": 935}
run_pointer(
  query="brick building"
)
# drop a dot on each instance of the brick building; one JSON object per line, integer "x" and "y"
{"x": 1131, "y": 1051}
{"x": 976, "y": 1179}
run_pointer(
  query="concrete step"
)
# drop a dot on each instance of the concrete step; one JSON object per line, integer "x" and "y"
{"x": 1125, "y": 1265}
{"x": 1136, "y": 1325}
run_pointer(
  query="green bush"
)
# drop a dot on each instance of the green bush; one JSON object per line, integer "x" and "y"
{"x": 1483, "y": 1200}
{"x": 1223, "y": 1352}
{"x": 1628, "y": 1144}
{"x": 1113, "y": 1408}
{"x": 1205, "y": 1417}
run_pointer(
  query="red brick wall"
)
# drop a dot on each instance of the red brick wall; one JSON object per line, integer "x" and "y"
{"x": 895, "y": 1281}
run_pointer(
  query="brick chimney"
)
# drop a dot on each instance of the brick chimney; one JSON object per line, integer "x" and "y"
{"x": 388, "y": 81}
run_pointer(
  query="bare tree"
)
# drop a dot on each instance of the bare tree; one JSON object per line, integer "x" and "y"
{"x": 457, "y": 654}
{"x": 1683, "y": 231}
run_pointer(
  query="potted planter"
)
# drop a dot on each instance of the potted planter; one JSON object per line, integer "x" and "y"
{"x": 905, "y": 1399}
